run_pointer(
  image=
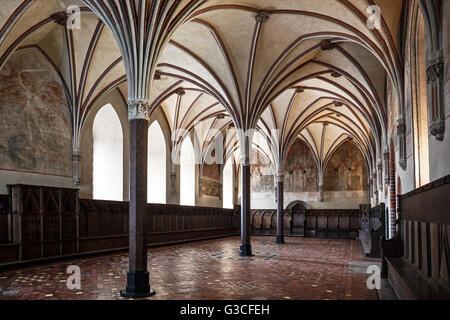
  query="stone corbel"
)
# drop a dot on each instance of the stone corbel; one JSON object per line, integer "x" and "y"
{"x": 76, "y": 168}
{"x": 401, "y": 133}
{"x": 436, "y": 105}
{"x": 138, "y": 109}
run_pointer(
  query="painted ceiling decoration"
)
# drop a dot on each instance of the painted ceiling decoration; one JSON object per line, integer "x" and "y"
{"x": 311, "y": 69}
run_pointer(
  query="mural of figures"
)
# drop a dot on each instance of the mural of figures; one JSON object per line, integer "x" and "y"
{"x": 346, "y": 170}
{"x": 35, "y": 127}
{"x": 300, "y": 169}
{"x": 210, "y": 180}
{"x": 262, "y": 179}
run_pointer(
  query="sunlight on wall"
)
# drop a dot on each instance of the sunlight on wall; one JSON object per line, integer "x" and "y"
{"x": 108, "y": 155}
{"x": 228, "y": 185}
{"x": 420, "y": 109}
{"x": 156, "y": 165}
{"x": 187, "y": 174}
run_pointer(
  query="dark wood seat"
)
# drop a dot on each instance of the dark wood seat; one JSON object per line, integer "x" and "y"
{"x": 417, "y": 259}
{"x": 409, "y": 284}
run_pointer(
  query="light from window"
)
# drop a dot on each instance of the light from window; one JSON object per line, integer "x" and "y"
{"x": 107, "y": 155}
{"x": 156, "y": 165}
{"x": 228, "y": 185}
{"x": 187, "y": 174}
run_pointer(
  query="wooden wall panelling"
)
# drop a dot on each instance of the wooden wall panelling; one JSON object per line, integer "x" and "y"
{"x": 50, "y": 222}
{"x": 5, "y": 220}
{"x": 425, "y": 224}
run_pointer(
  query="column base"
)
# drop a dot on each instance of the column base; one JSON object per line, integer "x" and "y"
{"x": 280, "y": 239}
{"x": 138, "y": 285}
{"x": 246, "y": 251}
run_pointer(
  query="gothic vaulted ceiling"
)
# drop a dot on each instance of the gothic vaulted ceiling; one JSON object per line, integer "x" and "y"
{"x": 309, "y": 69}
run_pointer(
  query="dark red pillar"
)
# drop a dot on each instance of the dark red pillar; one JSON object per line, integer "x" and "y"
{"x": 138, "y": 282}
{"x": 246, "y": 248}
{"x": 280, "y": 210}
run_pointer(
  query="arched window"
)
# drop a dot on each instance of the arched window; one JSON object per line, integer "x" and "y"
{"x": 108, "y": 155}
{"x": 187, "y": 173}
{"x": 156, "y": 165}
{"x": 228, "y": 185}
{"x": 420, "y": 105}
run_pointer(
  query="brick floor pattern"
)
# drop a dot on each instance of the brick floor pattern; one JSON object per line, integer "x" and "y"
{"x": 302, "y": 269}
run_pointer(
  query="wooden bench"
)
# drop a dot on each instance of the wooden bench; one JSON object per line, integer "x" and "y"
{"x": 417, "y": 259}
{"x": 409, "y": 284}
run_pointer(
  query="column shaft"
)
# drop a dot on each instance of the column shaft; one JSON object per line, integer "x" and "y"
{"x": 138, "y": 284}
{"x": 280, "y": 210}
{"x": 246, "y": 248}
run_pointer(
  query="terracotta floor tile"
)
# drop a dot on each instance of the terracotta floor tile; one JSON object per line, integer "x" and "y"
{"x": 302, "y": 269}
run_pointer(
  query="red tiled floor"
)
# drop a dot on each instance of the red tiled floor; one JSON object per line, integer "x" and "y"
{"x": 302, "y": 269}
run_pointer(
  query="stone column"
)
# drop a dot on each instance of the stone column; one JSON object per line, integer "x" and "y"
{"x": 401, "y": 133}
{"x": 380, "y": 176}
{"x": 321, "y": 193}
{"x": 386, "y": 165}
{"x": 76, "y": 168}
{"x": 375, "y": 187}
{"x": 138, "y": 282}
{"x": 246, "y": 248}
{"x": 280, "y": 209}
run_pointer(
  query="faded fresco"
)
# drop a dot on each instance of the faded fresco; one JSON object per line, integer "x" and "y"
{"x": 262, "y": 179}
{"x": 210, "y": 180}
{"x": 300, "y": 169}
{"x": 346, "y": 170}
{"x": 35, "y": 127}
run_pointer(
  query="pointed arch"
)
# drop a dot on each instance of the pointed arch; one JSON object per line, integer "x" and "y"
{"x": 157, "y": 165}
{"x": 187, "y": 173}
{"x": 420, "y": 102}
{"x": 107, "y": 135}
{"x": 228, "y": 185}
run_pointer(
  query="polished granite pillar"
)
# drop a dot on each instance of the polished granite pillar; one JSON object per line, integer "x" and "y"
{"x": 246, "y": 248}
{"x": 280, "y": 210}
{"x": 138, "y": 282}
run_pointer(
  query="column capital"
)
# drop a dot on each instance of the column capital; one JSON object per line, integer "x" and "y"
{"x": 138, "y": 109}
{"x": 279, "y": 177}
{"x": 244, "y": 161}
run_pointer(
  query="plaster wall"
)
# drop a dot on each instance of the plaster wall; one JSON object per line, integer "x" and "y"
{"x": 332, "y": 199}
{"x": 440, "y": 150}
